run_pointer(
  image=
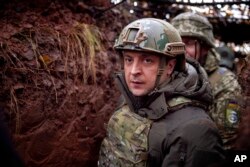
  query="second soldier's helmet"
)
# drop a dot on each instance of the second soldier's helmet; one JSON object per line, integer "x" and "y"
{"x": 194, "y": 25}
{"x": 153, "y": 35}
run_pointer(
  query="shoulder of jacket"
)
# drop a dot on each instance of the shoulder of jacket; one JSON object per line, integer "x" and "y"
{"x": 192, "y": 121}
{"x": 228, "y": 77}
{"x": 179, "y": 102}
{"x": 121, "y": 102}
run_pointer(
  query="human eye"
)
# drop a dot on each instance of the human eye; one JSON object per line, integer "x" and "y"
{"x": 148, "y": 60}
{"x": 127, "y": 59}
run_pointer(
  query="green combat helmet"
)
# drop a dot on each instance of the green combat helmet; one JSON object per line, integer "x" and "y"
{"x": 153, "y": 35}
{"x": 194, "y": 25}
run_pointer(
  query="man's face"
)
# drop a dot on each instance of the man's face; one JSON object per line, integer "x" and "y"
{"x": 140, "y": 72}
{"x": 196, "y": 49}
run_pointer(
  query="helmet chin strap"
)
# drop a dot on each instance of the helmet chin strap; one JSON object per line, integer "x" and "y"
{"x": 196, "y": 51}
{"x": 161, "y": 69}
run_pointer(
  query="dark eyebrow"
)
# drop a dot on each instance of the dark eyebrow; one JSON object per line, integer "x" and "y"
{"x": 148, "y": 55}
{"x": 126, "y": 55}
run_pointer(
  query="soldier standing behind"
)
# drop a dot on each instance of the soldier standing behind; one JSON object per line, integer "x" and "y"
{"x": 197, "y": 34}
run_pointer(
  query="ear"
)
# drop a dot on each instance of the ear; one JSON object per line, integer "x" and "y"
{"x": 170, "y": 66}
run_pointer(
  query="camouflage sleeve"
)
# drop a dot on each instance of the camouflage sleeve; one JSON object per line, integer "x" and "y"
{"x": 225, "y": 111}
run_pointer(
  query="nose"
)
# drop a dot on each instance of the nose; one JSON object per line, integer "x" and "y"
{"x": 136, "y": 68}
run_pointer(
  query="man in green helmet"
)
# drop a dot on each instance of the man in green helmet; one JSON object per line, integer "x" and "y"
{"x": 161, "y": 120}
{"x": 197, "y": 34}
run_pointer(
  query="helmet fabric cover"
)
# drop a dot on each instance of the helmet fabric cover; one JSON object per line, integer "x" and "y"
{"x": 194, "y": 25}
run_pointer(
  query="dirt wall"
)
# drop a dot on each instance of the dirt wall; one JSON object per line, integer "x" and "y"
{"x": 57, "y": 89}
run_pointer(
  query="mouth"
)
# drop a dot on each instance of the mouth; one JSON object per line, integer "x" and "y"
{"x": 136, "y": 83}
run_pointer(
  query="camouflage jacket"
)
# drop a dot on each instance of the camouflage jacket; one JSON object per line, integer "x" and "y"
{"x": 226, "y": 90}
{"x": 167, "y": 128}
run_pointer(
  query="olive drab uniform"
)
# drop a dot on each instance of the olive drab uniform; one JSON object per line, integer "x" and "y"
{"x": 227, "y": 90}
{"x": 168, "y": 131}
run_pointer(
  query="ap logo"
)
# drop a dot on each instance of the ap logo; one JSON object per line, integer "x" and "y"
{"x": 240, "y": 158}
